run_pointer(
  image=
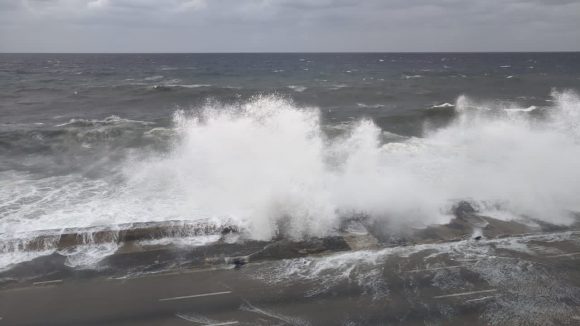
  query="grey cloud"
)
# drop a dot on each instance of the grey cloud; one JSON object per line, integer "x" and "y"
{"x": 289, "y": 25}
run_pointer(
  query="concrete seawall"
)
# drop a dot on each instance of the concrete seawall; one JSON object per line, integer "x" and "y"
{"x": 120, "y": 233}
{"x": 229, "y": 244}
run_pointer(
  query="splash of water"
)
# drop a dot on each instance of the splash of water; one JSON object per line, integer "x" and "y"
{"x": 267, "y": 166}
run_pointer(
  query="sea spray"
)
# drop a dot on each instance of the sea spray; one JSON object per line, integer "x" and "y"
{"x": 267, "y": 166}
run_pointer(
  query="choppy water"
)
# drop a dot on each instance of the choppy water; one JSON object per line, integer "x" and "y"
{"x": 286, "y": 143}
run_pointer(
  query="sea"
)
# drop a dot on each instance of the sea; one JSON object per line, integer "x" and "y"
{"x": 284, "y": 144}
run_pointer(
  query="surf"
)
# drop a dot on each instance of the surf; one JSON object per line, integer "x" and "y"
{"x": 267, "y": 167}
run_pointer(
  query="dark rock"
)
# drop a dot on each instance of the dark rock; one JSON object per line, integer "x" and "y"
{"x": 229, "y": 230}
{"x": 464, "y": 209}
{"x": 239, "y": 262}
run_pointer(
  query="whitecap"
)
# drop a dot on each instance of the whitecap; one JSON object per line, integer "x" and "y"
{"x": 528, "y": 109}
{"x": 443, "y": 105}
{"x": 170, "y": 85}
{"x": 153, "y": 78}
{"x": 110, "y": 120}
{"x": 370, "y": 106}
{"x": 298, "y": 88}
{"x": 190, "y": 85}
{"x": 337, "y": 86}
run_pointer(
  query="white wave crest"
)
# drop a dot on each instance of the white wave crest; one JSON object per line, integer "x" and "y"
{"x": 442, "y": 106}
{"x": 108, "y": 121}
{"x": 267, "y": 166}
{"x": 298, "y": 88}
{"x": 266, "y": 163}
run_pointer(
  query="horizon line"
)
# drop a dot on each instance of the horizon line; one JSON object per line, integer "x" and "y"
{"x": 307, "y": 52}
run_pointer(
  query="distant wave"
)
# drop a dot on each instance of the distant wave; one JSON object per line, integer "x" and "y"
{"x": 169, "y": 86}
{"x": 528, "y": 109}
{"x": 152, "y": 78}
{"x": 111, "y": 120}
{"x": 370, "y": 106}
{"x": 298, "y": 88}
{"x": 77, "y": 145}
{"x": 442, "y": 106}
{"x": 337, "y": 86}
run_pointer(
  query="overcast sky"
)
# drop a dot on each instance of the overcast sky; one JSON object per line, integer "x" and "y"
{"x": 288, "y": 25}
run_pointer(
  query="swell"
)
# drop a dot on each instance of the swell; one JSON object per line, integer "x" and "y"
{"x": 78, "y": 142}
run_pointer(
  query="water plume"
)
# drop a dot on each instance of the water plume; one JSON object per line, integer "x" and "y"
{"x": 267, "y": 165}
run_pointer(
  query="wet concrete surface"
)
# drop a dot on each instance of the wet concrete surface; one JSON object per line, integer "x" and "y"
{"x": 440, "y": 277}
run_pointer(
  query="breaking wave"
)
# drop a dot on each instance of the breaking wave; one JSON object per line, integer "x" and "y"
{"x": 267, "y": 166}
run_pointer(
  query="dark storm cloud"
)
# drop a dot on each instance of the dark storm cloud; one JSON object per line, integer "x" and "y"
{"x": 286, "y": 25}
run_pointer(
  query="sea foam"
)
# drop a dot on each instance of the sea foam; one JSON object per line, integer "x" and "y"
{"x": 267, "y": 166}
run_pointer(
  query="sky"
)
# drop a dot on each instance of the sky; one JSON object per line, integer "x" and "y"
{"x": 288, "y": 25}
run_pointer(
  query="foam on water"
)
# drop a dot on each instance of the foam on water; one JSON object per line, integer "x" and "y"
{"x": 298, "y": 88}
{"x": 10, "y": 259}
{"x": 527, "y": 292}
{"x": 87, "y": 256}
{"x": 108, "y": 121}
{"x": 267, "y": 166}
{"x": 442, "y": 106}
{"x": 194, "y": 241}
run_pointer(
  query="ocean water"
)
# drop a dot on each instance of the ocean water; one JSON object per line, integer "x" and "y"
{"x": 285, "y": 144}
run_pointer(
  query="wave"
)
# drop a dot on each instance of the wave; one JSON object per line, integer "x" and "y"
{"x": 337, "y": 86}
{"x": 412, "y": 76}
{"x": 298, "y": 88}
{"x": 153, "y": 78}
{"x": 267, "y": 166}
{"x": 86, "y": 146}
{"x": 71, "y": 137}
{"x": 310, "y": 182}
{"x": 442, "y": 106}
{"x": 110, "y": 120}
{"x": 370, "y": 106}
{"x": 169, "y": 86}
{"x": 528, "y": 109}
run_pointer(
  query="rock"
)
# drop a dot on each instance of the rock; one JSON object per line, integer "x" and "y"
{"x": 464, "y": 209}
{"x": 239, "y": 262}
